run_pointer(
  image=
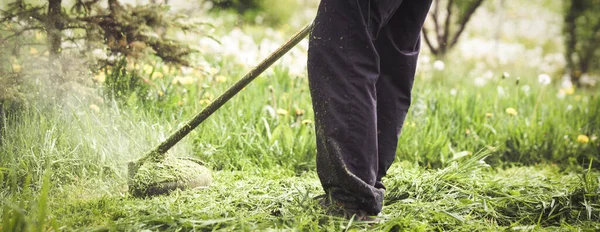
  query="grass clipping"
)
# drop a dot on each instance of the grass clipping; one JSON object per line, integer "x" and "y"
{"x": 155, "y": 177}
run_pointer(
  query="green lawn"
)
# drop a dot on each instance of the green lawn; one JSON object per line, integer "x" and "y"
{"x": 484, "y": 147}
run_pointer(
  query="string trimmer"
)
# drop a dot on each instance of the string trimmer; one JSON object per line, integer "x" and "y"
{"x": 156, "y": 173}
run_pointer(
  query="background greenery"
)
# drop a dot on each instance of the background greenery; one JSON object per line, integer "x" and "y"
{"x": 486, "y": 145}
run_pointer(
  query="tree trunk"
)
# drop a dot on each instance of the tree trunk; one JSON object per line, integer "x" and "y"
{"x": 54, "y": 26}
{"x": 571, "y": 41}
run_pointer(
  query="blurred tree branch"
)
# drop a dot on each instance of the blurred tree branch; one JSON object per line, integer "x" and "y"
{"x": 457, "y": 15}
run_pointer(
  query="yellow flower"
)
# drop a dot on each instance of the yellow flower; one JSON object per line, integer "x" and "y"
{"x": 158, "y": 75}
{"x": 467, "y": 131}
{"x": 95, "y": 108}
{"x": 33, "y": 51}
{"x": 38, "y": 35}
{"x": 282, "y": 112}
{"x": 569, "y": 91}
{"x": 583, "y": 139}
{"x": 180, "y": 103}
{"x": 208, "y": 95}
{"x": 489, "y": 115}
{"x": 187, "y": 80}
{"x": 306, "y": 122}
{"x": 300, "y": 112}
{"x": 204, "y": 102}
{"x": 161, "y": 93}
{"x": 511, "y": 111}
{"x": 221, "y": 79}
{"x": 100, "y": 77}
{"x": 148, "y": 68}
{"x": 16, "y": 68}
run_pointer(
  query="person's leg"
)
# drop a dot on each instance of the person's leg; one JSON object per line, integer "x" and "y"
{"x": 398, "y": 45}
{"x": 343, "y": 68}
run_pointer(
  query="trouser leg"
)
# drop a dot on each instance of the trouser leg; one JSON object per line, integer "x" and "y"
{"x": 343, "y": 70}
{"x": 398, "y": 46}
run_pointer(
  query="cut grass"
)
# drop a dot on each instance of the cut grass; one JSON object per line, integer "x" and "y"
{"x": 467, "y": 195}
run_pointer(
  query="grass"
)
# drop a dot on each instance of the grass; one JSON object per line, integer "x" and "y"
{"x": 464, "y": 161}
{"x": 65, "y": 168}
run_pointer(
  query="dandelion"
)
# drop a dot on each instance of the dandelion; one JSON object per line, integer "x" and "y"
{"x": 99, "y": 54}
{"x": 221, "y": 79}
{"x": 208, "y": 95}
{"x": 583, "y": 139}
{"x": 183, "y": 80}
{"x": 439, "y": 65}
{"x": 38, "y": 35}
{"x": 147, "y": 68}
{"x": 300, "y": 112}
{"x": 526, "y": 89}
{"x": 100, "y": 77}
{"x": 453, "y": 92}
{"x": 489, "y": 115}
{"x": 307, "y": 122}
{"x": 33, "y": 51}
{"x": 186, "y": 70}
{"x": 17, "y": 68}
{"x": 511, "y": 111}
{"x": 561, "y": 94}
{"x": 566, "y": 83}
{"x": 158, "y": 75}
{"x": 204, "y": 102}
{"x": 501, "y": 92}
{"x": 488, "y": 75}
{"x": 479, "y": 82}
{"x": 282, "y": 112}
{"x": 544, "y": 79}
{"x": 95, "y": 108}
{"x": 569, "y": 107}
{"x": 568, "y": 91}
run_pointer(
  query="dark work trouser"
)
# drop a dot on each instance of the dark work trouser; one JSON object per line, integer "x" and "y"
{"x": 361, "y": 65}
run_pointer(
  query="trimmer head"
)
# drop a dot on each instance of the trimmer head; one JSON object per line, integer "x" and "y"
{"x": 152, "y": 178}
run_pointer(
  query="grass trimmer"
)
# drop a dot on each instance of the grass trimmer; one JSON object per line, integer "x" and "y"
{"x": 157, "y": 173}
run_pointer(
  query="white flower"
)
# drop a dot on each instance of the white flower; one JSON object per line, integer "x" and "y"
{"x": 186, "y": 70}
{"x": 544, "y": 79}
{"x": 425, "y": 59}
{"x": 99, "y": 54}
{"x": 569, "y": 107}
{"x": 526, "y": 89}
{"x": 488, "y": 75}
{"x": 480, "y": 81}
{"x": 453, "y": 92}
{"x": 501, "y": 92}
{"x": 439, "y": 65}
{"x": 588, "y": 80}
{"x": 566, "y": 83}
{"x": 506, "y": 75}
{"x": 561, "y": 94}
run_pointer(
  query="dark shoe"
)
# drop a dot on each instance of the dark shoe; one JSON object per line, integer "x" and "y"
{"x": 345, "y": 210}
